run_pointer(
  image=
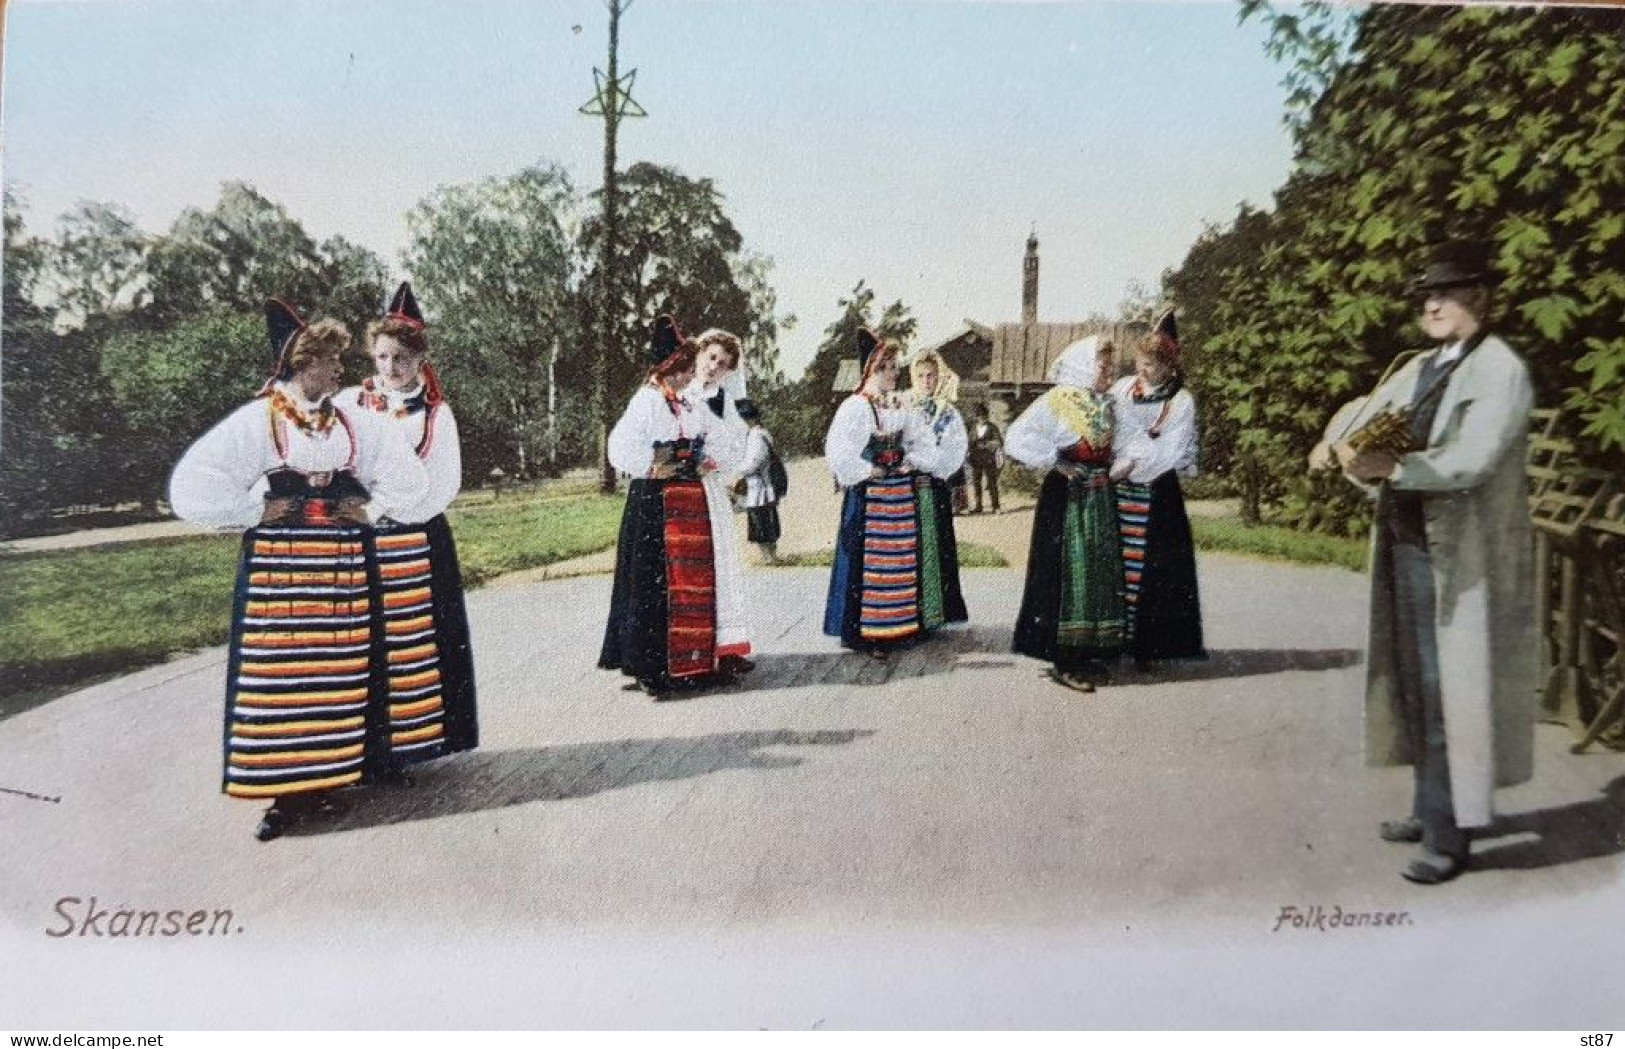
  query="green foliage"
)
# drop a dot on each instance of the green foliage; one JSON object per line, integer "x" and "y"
{"x": 678, "y": 252}
{"x": 1501, "y": 125}
{"x": 800, "y": 412}
{"x": 171, "y": 384}
{"x": 491, "y": 263}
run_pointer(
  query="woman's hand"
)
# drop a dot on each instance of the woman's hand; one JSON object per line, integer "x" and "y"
{"x": 1122, "y": 468}
{"x": 1321, "y": 457}
{"x": 277, "y": 509}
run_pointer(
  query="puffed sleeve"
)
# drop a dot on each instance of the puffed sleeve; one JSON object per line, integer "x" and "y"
{"x": 387, "y": 466}
{"x": 631, "y": 442}
{"x": 952, "y": 445}
{"x": 920, "y": 449}
{"x": 444, "y": 464}
{"x": 848, "y": 436}
{"x": 1036, "y": 437}
{"x": 1173, "y": 449}
{"x": 755, "y": 452}
{"x": 214, "y": 483}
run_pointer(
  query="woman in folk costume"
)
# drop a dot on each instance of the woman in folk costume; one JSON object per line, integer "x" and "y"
{"x": 306, "y": 664}
{"x": 662, "y": 627}
{"x": 1072, "y": 606}
{"x": 718, "y": 385}
{"x": 885, "y": 588}
{"x": 761, "y": 497}
{"x": 935, "y": 387}
{"x": 431, "y": 665}
{"x": 1155, "y": 446}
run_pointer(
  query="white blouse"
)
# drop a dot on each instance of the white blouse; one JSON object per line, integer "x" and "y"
{"x": 649, "y": 418}
{"x": 442, "y": 457}
{"x": 1175, "y": 446}
{"x": 854, "y": 424}
{"x": 953, "y": 443}
{"x": 218, "y": 482}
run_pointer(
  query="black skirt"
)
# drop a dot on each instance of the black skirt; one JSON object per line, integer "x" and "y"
{"x": 762, "y": 523}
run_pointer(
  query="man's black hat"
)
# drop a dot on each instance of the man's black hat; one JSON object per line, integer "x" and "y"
{"x": 1456, "y": 264}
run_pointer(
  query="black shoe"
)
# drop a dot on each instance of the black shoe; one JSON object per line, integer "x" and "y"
{"x": 397, "y": 778}
{"x": 1433, "y": 868}
{"x": 1407, "y": 831}
{"x": 272, "y": 823}
{"x": 734, "y": 665}
{"x": 1068, "y": 679}
{"x": 879, "y": 654}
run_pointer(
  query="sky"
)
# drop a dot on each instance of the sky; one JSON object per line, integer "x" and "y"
{"x": 909, "y": 144}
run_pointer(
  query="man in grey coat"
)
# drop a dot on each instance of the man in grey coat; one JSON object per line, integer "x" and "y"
{"x": 1451, "y": 663}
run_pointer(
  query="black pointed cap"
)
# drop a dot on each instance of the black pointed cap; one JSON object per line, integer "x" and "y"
{"x": 867, "y": 341}
{"x": 404, "y": 306}
{"x": 665, "y": 339}
{"x": 282, "y": 325}
{"x": 1167, "y": 332}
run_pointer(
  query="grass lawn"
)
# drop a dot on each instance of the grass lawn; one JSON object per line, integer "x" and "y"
{"x": 1278, "y": 543}
{"x": 971, "y": 555}
{"x": 68, "y": 618}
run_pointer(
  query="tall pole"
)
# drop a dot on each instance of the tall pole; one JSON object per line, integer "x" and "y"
{"x": 612, "y": 101}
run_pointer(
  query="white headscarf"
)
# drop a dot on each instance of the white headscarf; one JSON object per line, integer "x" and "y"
{"x": 1078, "y": 364}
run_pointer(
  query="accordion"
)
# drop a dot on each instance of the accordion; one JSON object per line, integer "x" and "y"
{"x": 1388, "y": 431}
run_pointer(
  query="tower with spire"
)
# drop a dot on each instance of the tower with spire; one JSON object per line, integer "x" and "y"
{"x": 1029, "y": 280}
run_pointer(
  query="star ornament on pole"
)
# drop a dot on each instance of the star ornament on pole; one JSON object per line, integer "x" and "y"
{"x": 613, "y": 96}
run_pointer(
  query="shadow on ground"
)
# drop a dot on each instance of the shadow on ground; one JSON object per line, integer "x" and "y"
{"x": 1238, "y": 662}
{"x": 495, "y": 779}
{"x": 1585, "y": 830}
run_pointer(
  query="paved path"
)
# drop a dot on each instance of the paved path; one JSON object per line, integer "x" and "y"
{"x": 944, "y": 840}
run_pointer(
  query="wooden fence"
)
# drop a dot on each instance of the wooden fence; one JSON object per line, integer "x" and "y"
{"x": 1579, "y": 518}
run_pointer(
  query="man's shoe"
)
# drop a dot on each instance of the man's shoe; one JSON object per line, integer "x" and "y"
{"x": 736, "y": 665}
{"x": 1407, "y": 831}
{"x": 1433, "y": 868}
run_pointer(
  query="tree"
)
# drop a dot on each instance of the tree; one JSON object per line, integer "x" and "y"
{"x": 233, "y": 257}
{"x": 493, "y": 264}
{"x": 98, "y": 261}
{"x": 1500, "y": 125}
{"x": 800, "y": 413}
{"x": 678, "y": 252}
{"x": 51, "y": 403}
{"x": 171, "y": 385}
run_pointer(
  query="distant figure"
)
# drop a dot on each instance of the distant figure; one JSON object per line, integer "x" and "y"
{"x": 986, "y": 458}
{"x": 1072, "y": 606}
{"x": 307, "y": 479}
{"x": 761, "y": 494}
{"x": 1451, "y": 661}
{"x": 1154, "y": 447}
{"x": 884, "y": 588}
{"x": 430, "y": 708}
{"x": 934, "y": 388}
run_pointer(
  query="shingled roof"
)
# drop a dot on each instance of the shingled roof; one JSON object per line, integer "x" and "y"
{"x": 1023, "y": 353}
